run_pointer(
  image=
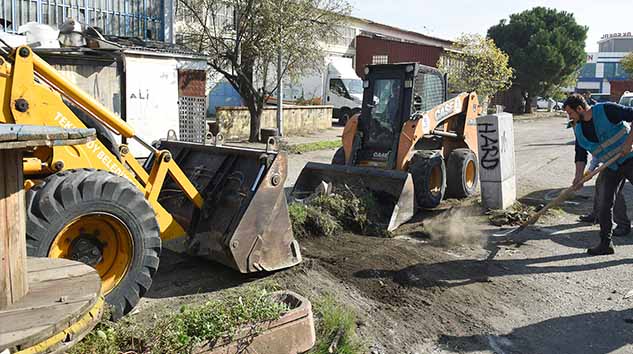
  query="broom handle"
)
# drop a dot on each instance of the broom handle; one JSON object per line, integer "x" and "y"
{"x": 567, "y": 192}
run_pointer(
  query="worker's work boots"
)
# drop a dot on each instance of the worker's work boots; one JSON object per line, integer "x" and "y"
{"x": 604, "y": 248}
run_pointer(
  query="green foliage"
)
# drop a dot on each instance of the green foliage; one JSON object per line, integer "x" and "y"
{"x": 478, "y": 65}
{"x": 332, "y": 318}
{"x": 180, "y": 333}
{"x": 546, "y": 47}
{"x": 310, "y": 220}
{"x": 627, "y": 64}
{"x": 328, "y": 215}
{"x": 316, "y": 146}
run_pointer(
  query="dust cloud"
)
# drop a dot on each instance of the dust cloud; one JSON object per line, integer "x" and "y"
{"x": 453, "y": 228}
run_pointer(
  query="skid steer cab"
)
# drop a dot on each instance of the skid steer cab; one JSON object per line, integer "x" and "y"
{"x": 410, "y": 146}
{"x": 97, "y": 204}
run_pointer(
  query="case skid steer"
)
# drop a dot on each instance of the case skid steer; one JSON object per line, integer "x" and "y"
{"x": 408, "y": 146}
{"x": 95, "y": 202}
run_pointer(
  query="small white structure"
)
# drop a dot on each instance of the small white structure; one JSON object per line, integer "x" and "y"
{"x": 495, "y": 137}
{"x": 153, "y": 86}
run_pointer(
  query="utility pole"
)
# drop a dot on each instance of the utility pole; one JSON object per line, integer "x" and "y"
{"x": 280, "y": 91}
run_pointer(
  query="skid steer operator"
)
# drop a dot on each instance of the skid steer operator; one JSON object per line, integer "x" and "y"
{"x": 601, "y": 130}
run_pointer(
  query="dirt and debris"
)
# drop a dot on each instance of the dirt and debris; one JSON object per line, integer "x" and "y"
{"x": 517, "y": 214}
{"x": 328, "y": 214}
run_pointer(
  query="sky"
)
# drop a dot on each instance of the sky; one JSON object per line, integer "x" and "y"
{"x": 449, "y": 18}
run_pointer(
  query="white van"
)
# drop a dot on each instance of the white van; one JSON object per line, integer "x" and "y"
{"x": 627, "y": 99}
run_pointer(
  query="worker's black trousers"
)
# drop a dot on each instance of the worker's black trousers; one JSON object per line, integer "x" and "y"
{"x": 609, "y": 185}
{"x": 620, "y": 217}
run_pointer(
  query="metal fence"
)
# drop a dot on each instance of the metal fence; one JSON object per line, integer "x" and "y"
{"x": 129, "y": 18}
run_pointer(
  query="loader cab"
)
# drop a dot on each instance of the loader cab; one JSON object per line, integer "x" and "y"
{"x": 392, "y": 94}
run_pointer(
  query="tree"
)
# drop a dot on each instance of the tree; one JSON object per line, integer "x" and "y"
{"x": 545, "y": 46}
{"x": 477, "y": 65}
{"x": 243, "y": 39}
{"x": 627, "y": 64}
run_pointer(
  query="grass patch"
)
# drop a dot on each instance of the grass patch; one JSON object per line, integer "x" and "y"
{"x": 328, "y": 215}
{"x": 316, "y": 146}
{"x": 182, "y": 332}
{"x": 335, "y": 323}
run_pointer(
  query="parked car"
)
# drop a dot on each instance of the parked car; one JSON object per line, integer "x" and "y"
{"x": 546, "y": 103}
{"x": 601, "y": 97}
{"x": 627, "y": 99}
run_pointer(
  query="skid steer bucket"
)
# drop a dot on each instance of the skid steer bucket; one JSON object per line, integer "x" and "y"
{"x": 393, "y": 190}
{"x": 244, "y": 222}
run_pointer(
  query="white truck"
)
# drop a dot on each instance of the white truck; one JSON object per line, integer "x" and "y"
{"x": 336, "y": 85}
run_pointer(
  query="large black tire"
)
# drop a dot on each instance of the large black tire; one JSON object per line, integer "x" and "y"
{"x": 462, "y": 173}
{"x": 76, "y": 199}
{"x": 429, "y": 178}
{"x": 339, "y": 157}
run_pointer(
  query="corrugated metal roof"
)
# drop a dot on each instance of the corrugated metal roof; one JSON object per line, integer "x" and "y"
{"x": 128, "y": 44}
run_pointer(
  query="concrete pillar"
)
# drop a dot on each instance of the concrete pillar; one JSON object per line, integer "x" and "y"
{"x": 495, "y": 137}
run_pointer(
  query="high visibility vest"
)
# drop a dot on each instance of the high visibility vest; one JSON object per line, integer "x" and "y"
{"x": 610, "y": 137}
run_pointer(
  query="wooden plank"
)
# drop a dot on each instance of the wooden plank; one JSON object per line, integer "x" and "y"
{"x": 36, "y": 264}
{"x": 14, "y": 283}
{"x": 53, "y": 303}
{"x": 8, "y": 132}
{"x": 14, "y": 338}
{"x": 40, "y": 295}
{"x": 57, "y": 316}
{"x": 41, "y": 132}
{"x": 18, "y": 136}
{"x": 67, "y": 272}
{"x": 11, "y": 145}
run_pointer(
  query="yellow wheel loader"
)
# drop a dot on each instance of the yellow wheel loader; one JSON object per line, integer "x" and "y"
{"x": 408, "y": 147}
{"x": 97, "y": 204}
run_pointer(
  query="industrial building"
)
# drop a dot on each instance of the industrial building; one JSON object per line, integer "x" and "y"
{"x": 603, "y": 73}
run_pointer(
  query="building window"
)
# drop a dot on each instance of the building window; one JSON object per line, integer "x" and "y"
{"x": 380, "y": 59}
{"x": 588, "y": 71}
{"x": 609, "y": 70}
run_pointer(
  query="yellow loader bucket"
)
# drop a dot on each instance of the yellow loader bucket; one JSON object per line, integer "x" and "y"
{"x": 393, "y": 190}
{"x": 244, "y": 221}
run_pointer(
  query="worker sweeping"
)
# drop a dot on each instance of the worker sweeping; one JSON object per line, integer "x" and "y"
{"x": 602, "y": 131}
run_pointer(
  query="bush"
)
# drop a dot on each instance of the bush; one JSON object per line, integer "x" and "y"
{"x": 182, "y": 332}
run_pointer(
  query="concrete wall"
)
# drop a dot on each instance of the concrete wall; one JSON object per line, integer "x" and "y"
{"x": 234, "y": 122}
{"x": 496, "y": 160}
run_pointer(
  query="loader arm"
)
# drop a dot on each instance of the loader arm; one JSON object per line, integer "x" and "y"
{"x": 33, "y": 93}
{"x": 454, "y": 120}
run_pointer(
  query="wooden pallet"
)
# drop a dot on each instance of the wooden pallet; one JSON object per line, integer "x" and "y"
{"x": 63, "y": 304}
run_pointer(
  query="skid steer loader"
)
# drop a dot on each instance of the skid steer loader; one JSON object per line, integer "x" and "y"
{"x": 97, "y": 204}
{"x": 408, "y": 147}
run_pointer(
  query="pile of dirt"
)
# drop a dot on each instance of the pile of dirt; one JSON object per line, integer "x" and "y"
{"x": 330, "y": 214}
{"x": 516, "y": 215}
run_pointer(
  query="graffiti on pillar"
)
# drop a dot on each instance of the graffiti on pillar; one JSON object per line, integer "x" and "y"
{"x": 488, "y": 145}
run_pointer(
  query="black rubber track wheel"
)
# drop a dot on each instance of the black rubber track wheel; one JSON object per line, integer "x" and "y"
{"x": 462, "y": 173}
{"x": 76, "y": 214}
{"x": 429, "y": 178}
{"x": 339, "y": 157}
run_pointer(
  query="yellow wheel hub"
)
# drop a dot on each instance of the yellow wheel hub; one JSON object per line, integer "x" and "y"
{"x": 100, "y": 240}
{"x": 435, "y": 181}
{"x": 470, "y": 174}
